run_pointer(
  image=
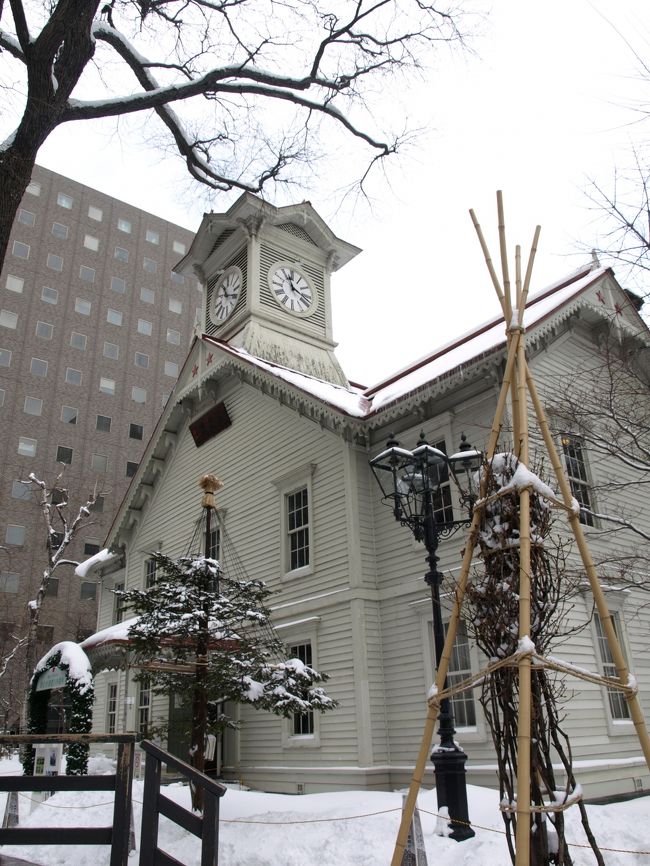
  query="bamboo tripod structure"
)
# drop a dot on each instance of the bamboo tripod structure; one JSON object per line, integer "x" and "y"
{"x": 519, "y": 384}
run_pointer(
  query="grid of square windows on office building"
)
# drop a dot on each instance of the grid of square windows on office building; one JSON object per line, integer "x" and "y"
{"x": 93, "y": 332}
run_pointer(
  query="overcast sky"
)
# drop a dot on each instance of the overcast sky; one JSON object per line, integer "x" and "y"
{"x": 547, "y": 99}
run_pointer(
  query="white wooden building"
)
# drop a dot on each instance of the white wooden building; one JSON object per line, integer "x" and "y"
{"x": 263, "y": 403}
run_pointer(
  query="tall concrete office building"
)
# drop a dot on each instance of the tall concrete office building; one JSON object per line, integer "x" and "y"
{"x": 94, "y": 327}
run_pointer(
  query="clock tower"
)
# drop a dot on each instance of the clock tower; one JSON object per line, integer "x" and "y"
{"x": 265, "y": 273}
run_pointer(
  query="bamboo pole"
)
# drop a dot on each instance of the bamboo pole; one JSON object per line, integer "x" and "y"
{"x": 432, "y": 714}
{"x": 524, "y": 720}
{"x": 590, "y": 570}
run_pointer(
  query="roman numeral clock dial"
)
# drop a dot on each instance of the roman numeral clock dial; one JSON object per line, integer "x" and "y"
{"x": 292, "y": 289}
{"x": 226, "y": 294}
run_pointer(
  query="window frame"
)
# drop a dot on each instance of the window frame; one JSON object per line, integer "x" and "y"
{"x": 287, "y": 485}
{"x": 19, "y": 245}
{"x": 69, "y": 420}
{"x": 616, "y": 603}
{"x": 53, "y": 261}
{"x": 473, "y": 734}
{"x": 582, "y": 488}
{"x": 308, "y": 634}
{"x": 54, "y": 300}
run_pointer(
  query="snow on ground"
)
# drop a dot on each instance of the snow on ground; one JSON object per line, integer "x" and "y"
{"x": 348, "y": 828}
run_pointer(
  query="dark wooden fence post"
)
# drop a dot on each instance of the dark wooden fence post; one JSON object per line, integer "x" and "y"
{"x": 122, "y": 804}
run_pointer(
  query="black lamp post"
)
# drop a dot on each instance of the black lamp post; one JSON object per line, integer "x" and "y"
{"x": 412, "y": 485}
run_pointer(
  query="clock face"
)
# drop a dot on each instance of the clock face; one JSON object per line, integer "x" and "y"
{"x": 226, "y": 294}
{"x": 292, "y": 289}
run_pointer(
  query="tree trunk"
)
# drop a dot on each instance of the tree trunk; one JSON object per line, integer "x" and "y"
{"x": 54, "y": 62}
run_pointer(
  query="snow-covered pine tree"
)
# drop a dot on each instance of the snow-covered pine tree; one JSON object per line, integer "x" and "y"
{"x": 197, "y": 629}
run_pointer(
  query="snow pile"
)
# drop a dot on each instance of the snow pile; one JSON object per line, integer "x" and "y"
{"x": 84, "y": 567}
{"x": 351, "y": 828}
{"x": 74, "y": 659}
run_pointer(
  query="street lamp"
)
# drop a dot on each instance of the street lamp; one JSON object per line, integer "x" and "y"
{"x": 414, "y": 485}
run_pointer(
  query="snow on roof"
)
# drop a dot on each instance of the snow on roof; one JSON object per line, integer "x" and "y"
{"x": 84, "y": 567}
{"x": 357, "y": 402}
{"x": 118, "y": 633}
{"x": 75, "y": 658}
{"x": 350, "y": 400}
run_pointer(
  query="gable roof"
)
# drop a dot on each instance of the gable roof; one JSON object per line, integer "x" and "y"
{"x": 356, "y": 409}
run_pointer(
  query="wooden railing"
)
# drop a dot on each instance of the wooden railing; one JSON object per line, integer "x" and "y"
{"x": 155, "y": 804}
{"x": 117, "y": 836}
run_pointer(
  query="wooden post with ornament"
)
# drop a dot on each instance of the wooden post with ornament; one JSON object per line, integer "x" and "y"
{"x": 210, "y": 484}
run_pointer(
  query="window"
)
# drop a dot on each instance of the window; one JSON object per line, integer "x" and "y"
{"x": 15, "y": 534}
{"x": 20, "y": 490}
{"x": 44, "y": 330}
{"x": 576, "y": 468}
{"x": 173, "y": 337}
{"x": 98, "y": 462}
{"x": 152, "y": 236}
{"x": 20, "y": 250}
{"x": 69, "y": 414}
{"x": 26, "y": 217}
{"x": 124, "y": 226}
{"x": 144, "y": 707}
{"x": 8, "y": 319}
{"x": 38, "y": 367}
{"x": 121, "y": 254}
{"x": 5, "y": 358}
{"x": 144, "y": 327}
{"x": 54, "y": 262}
{"x": 27, "y": 446}
{"x": 213, "y": 544}
{"x": 149, "y": 265}
{"x": 141, "y": 360}
{"x": 60, "y": 231}
{"x": 147, "y": 295}
{"x": 175, "y": 306}
{"x": 177, "y": 278}
{"x": 149, "y": 573}
{"x": 63, "y": 454}
{"x": 98, "y": 505}
{"x": 297, "y": 510}
{"x": 135, "y": 431}
{"x": 50, "y": 296}
{"x": 171, "y": 369}
{"x": 2, "y": 396}
{"x": 131, "y": 468}
{"x": 118, "y": 603}
{"x": 91, "y": 242}
{"x": 107, "y": 386}
{"x": 111, "y": 709}
{"x": 113, "y": 317}
{"x": 460, "y": 667}
{"x": 88, "y": 591}
{"x": 15, "y": 284}
{"x": 64, "y": 200}
{"x": 95, "y": 213}
{"x": 179, "y": 247}
{"x": 78, "y": 341}
{"x": 118, "y": 285}
{"x": 91, "y": 548}
{"x": 82, "y": 306}
{"x": 33, "y": 406}
{"x": 111, "y": 350}
{"x": 72, "y": 376}
{"x": 138, "y": 395}
{"x": 302, "y": 724}
{"x": 9, "y": 581}
{"x": 33, "y": 188}
{"x": 87, "y": 274}
{"x": 618, "y": 706}
{"x": 103, "y": 423}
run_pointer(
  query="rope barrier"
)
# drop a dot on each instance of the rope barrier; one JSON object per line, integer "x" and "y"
{"x": 357, "y": 817}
